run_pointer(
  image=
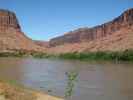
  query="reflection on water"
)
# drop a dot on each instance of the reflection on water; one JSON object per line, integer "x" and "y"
{"x": 96, "y": 80}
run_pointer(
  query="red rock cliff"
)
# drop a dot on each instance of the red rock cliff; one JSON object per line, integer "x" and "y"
{"x": 125, "y": 20}
{"x": 11, "y": 36}
{"x": 8, "y": 21}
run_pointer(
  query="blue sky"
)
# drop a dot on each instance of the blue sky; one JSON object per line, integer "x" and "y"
{"x": 45, "y": 19}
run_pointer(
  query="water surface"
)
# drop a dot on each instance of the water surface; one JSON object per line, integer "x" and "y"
{"x": 96, "y": 80}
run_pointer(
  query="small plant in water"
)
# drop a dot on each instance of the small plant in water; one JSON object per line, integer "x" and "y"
{"x": 72, "y": 76}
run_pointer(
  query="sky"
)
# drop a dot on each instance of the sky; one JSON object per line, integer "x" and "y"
{"x": 45, "y": 19}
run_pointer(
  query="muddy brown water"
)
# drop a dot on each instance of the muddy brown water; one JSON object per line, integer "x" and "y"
{"x": 95, "y": 81}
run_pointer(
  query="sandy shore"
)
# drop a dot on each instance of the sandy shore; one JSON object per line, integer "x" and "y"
{"x": 12, "y": 92}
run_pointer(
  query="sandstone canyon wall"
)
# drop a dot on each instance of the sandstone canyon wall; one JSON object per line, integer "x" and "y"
{"x": 89, "y": 34}
{"x": 8, "y": 21}
{"x": 116, "y": 35}
{"x": 11, "y": 35}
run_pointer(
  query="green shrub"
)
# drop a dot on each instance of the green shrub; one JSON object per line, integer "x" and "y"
{"x": 71, "y": 79}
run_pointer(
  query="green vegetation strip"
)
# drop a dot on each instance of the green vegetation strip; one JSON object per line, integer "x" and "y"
{"x": 126, "y": 55}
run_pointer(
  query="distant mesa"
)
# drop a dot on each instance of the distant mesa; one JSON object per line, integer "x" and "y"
{"x": 42, "y": 43}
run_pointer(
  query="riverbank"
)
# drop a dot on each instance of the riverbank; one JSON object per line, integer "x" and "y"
{"x": 126, "y": 55}
{"x": 12, "y": 92}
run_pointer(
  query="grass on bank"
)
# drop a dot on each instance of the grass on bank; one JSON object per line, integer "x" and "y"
{"x": 13, "y": 54}
{"x": 117, "y": 56}
{"x": 126, "y": 55}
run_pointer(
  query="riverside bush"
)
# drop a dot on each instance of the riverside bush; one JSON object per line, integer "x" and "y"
{"x": 126, "y": 55}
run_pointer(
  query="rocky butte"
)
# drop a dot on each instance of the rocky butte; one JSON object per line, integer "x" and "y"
{"x": 115, "y": 35}
{"x": 11, "y": 35}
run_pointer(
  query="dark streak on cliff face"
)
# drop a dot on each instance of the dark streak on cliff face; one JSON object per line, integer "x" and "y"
{"x": 8, "y": 21}
{"x": 88, "y": 34}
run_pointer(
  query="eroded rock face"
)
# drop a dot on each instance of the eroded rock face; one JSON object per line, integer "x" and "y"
{"x": 11, "y": 36}
{"x": 8, "y": 21}
{"x": 88, "y": 34}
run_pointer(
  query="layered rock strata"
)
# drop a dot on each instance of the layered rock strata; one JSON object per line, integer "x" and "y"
{"x": 11, "y": 36}
{"x": 125, "y": 20}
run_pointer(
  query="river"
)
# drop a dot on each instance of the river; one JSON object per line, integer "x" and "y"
{"x": 95, "y": 81}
